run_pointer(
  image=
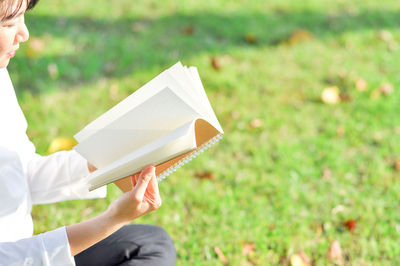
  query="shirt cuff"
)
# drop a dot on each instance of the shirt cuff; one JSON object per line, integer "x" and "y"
{"x": 79, "y": 171}
{"x": 56, "y": 247}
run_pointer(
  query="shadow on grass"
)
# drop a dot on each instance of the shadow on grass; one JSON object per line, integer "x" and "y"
{"x": 117, "y": 48}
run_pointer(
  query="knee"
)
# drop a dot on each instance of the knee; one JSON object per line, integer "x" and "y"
{"x": 158, "y": 245}
{"x": 165, "y": 244}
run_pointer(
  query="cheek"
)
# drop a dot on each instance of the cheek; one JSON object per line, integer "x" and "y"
{"x": 6, "y": 41}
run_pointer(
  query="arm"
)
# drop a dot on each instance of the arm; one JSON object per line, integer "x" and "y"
{"x": 50, "y": 248}
{"x": 143, "y": 198}
{"x": 59, "y": 177}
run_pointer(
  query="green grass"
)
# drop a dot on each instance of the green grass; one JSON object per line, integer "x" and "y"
{"x": 269, "y": 187}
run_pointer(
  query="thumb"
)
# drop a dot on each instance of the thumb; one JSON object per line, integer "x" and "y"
{"x": 145, "y": 176}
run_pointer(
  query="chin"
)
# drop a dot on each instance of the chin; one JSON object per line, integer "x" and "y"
{"x": 4, "y": 63}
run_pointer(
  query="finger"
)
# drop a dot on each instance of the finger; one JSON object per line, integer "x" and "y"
{"x": 145, "y": 176}
{"x": 134, "y": 179}
{"x": 152, "y": 194}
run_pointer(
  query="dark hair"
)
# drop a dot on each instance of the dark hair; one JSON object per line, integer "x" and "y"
{"x": 8, "y": 10}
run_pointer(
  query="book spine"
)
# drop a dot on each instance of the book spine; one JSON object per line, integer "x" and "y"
{"x": 188, "y": 158}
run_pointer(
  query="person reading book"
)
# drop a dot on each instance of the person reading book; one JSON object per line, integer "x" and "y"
{"x": 27, "y": 178}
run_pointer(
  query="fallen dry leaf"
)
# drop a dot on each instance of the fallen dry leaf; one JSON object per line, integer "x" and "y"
{"x": 299, "y": 36}
{"x": 61, "y": 143}
{"x": 375, "y": 94}
{"x": 385, "y": 35}
{"x": 330, "y": 95}
{"x": 350, "y": 225}
{"x": 221, "y": 255}
{"x": 205, "y": 175}
{"x": 335, "y": 252}
{"x": 326, "y": 174}
{"x": 300, "y": 259}
{"x": 188, "y": 30}
{"x": 361, "y": 84}
{"x": 235, "y": 114}
{"x": 255, "y": 123}
{"x": 320, "y": 230}
{"x": 248, "y": 248}
{"x": 251, "y": 38}
{"x": 396, "y": 165}
{"x": 340, "y": 131}
{"x": 215, "y": 63}
{"x": 386, "y": 88}
{"x": 344, "y": 97}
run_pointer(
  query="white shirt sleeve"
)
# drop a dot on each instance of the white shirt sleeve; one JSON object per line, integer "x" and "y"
{"x": 50, "y": 248}
{"x": 59, "y": 176}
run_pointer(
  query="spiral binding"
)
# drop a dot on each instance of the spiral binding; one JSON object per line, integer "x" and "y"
{"x": 188, "y": 158}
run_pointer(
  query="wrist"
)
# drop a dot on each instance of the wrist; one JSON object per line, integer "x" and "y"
{"x": 113, "y": 217}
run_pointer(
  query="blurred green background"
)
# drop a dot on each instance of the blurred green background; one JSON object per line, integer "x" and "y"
{"x": 293, "y": 173}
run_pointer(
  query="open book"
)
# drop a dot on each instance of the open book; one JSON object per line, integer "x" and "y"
{"x": 166, "y": 122}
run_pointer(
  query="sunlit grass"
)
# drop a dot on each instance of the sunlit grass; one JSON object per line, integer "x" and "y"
{"x": 277, "y": 184}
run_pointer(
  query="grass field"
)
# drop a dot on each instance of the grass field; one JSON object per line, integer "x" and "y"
{"x": 292, "y": 173}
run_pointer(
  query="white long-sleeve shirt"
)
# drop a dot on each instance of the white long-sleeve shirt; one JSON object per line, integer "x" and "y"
{"x": 27, "y": 178}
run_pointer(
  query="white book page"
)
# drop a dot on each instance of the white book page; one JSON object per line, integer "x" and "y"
{"x": 187, "y": 85}
{"x": 178, "y": 142}
{"x": 162, "y": 113}
{"x": 138, "y": 97}
{"x": 209, "y": 112}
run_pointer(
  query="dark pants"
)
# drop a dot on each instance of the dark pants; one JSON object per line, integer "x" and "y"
{"x": 134, "y": 244}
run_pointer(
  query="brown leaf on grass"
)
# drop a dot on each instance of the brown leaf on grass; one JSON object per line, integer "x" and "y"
{"x": 385, "y": 35}
{"x": 299, "y": 36}
{"x": 221, "y": 255}
{"x": 320, "y": 229}
{"x": 375, "y": 94}
{"x": 61, "y": 144}
{"x": 255, "y": 123}
{"x": 235, "y": 114}
{"x": 386, "y": 89}
{"x": 326, "y": 174}
{"x": 340, "y": 131}
{"x": 361, "y": 84}
{"x": 350, "y": 225}
{"x": 188, "y": 30}
{"x": 300, "y": 259}
{"x": 205, "y": 175}
{"x": 344, "y": 97}
{"x": 248, "y": 248}
{"x": 335, "y": 252}
{"x": 396, "y": 165}
{"x": 330, "y": 95}
{"x": 215, "y": 63}
{"x": 250, "y": 38}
